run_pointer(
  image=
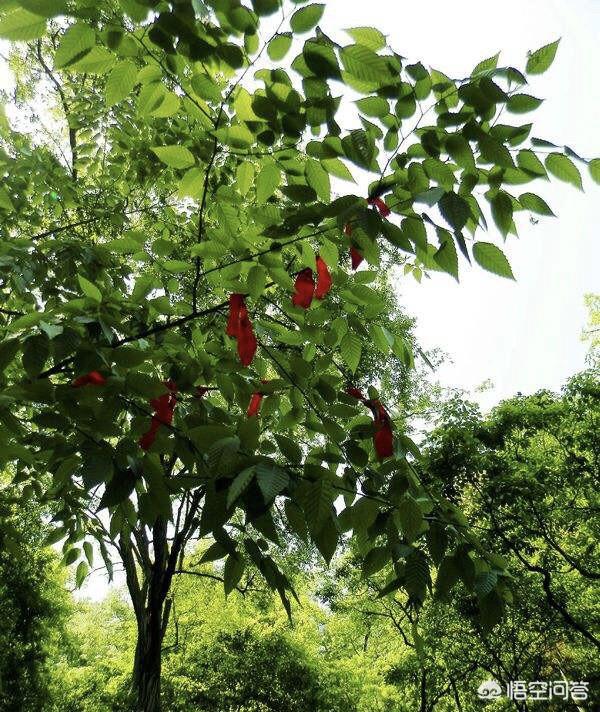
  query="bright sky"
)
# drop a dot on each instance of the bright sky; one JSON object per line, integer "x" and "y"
{"x": 522, "y": 335}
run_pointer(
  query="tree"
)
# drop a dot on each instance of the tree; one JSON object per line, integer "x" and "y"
{"x": 180, "y": 212}
{"x": 33, "y": 604}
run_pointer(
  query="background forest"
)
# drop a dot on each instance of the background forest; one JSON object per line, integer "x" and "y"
{"x": 214, "y": 398}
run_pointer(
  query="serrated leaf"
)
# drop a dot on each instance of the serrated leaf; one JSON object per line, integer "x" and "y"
{"x": 304, "y": 19}
{"x": 21, "y": 25}
{"x": 502, "y": 212}
{"x": 375, "y": 560}
{"x": 337, "y": 168}
{"x": 318, "y": 179}
{"x": 368, "y": 36}
{"x": 495, "y": 152}
{"x": 174, "y": 156}
{"x": 455, "y": 210}
{"x": 564, "y": 169}
{"x": 121, "y": 81}
{"x": 522, "y": 103}
{"x": 459, "y": 150}
{"x": 239, "y": 485}
{"x": 77, "y": 41}
{"x": 351, "y": 350}
{"x": 267, "y": 182}
{"x": 279, "y": 46}
{"x": 492, "y": 259}
{"x": 317, "y": 505}
{"x": 594, "y": 169}
{"x": 89, "y": 289}
{"x": 540, "y": 60}
{"x": 535, "y": 204}
{"x": 192, "y": 183}
{"x": 271, "y": 480}
{"x": 409, "y": 518}
{"x": 232, "y": 572}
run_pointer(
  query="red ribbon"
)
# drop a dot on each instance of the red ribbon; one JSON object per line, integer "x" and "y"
{"x": 164, "y": 407}
{"x": 255, "y": 403}
{"x": 239, "y": 326}
{"x": 93, "y": 378}
{"x": 383, "y": 438}
{"x": 324, "y": 281}
{"x": 305, "y": 288}
{"x": 355, "y": 257}
{"x": 384, "y": 211}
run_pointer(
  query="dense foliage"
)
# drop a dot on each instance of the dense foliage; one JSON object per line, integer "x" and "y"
{"x": 188, "y": 348}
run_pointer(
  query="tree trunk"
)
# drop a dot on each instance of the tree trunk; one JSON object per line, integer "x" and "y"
{"x": 147, "y": 661}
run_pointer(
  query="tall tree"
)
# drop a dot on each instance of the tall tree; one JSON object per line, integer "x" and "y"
{"x": 181, "y": 321}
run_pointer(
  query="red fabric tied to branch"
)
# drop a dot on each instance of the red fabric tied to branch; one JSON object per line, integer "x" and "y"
{"x": 304, "y": 289}
{"x": 383, "y": 439}
{"x": 384, "y": 211}
{"x": 255, "y": 403}
{"x": 93, "y": 378}
{"x": 239, "y": 326}
{"x": 324, "y": 280}
{"x": 164, "y": 407}
{"x": 355, "y": 257}
{"x": 355, "y": 393}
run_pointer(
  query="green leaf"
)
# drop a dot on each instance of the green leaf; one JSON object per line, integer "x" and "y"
{"x": 21, "y": 25}
{"x": 174, "y": 156}
{"x": 535, "y": 204}
{"x": 121, "y": 81}
{"x": 459, "y": 150}
{"x": 368, "y": 37}
{"x": 455, "y": 210}
{"x": 318, "y": 179}
{"x": 232, "y": 572}
{"x": 540, "y": 60}
{"x": 89, "y": 289}
{"x": 77, "y": 41}
{"x": 446, "y": 256}
{"x": 192, "y": 183}
{"x": 364, "y": 64}
{"x": 375, "y": 106}
{"x": 244, "y": 177}
{"x": 272, "y": 480}
{"x": 237, "y": 136}
{"x": 80, "y": 573}
{"x": 486, "y": 66}
{"x": 359, "y": 148}
{"x": 375, "y": 560}
{"x": 564, "y": 169}
{"x": 307, "y": 17}
{"x": 97, "y": 60}
{"x": 35, "y": 354}
{"x": 417, "y": 575}
{"x": 5, "y": 200}
{"x": 492, "y": 259}
{"x": 351, "y": 350}
{"x": 267, "y": 182}
{"x": 318, "y": 500}
{"x": 528, "y": 161}
{"x": 337, "y": 168}
{"x": 409, "y": 518}
{"x": 495, "y": 152}
{"x": 279, "y": 46}
{"x": 265, "y": 7}
{"x": 594, "y": 168}
{"x": 502, "y": 212}
{"x": 522, "y": 103}
{"x": 239, "y": 485}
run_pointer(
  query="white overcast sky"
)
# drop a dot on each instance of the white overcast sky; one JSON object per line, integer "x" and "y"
{"x": 521, "y": 335}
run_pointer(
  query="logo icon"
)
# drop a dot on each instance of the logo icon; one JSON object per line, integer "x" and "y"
{"x": 489, "y": 690}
